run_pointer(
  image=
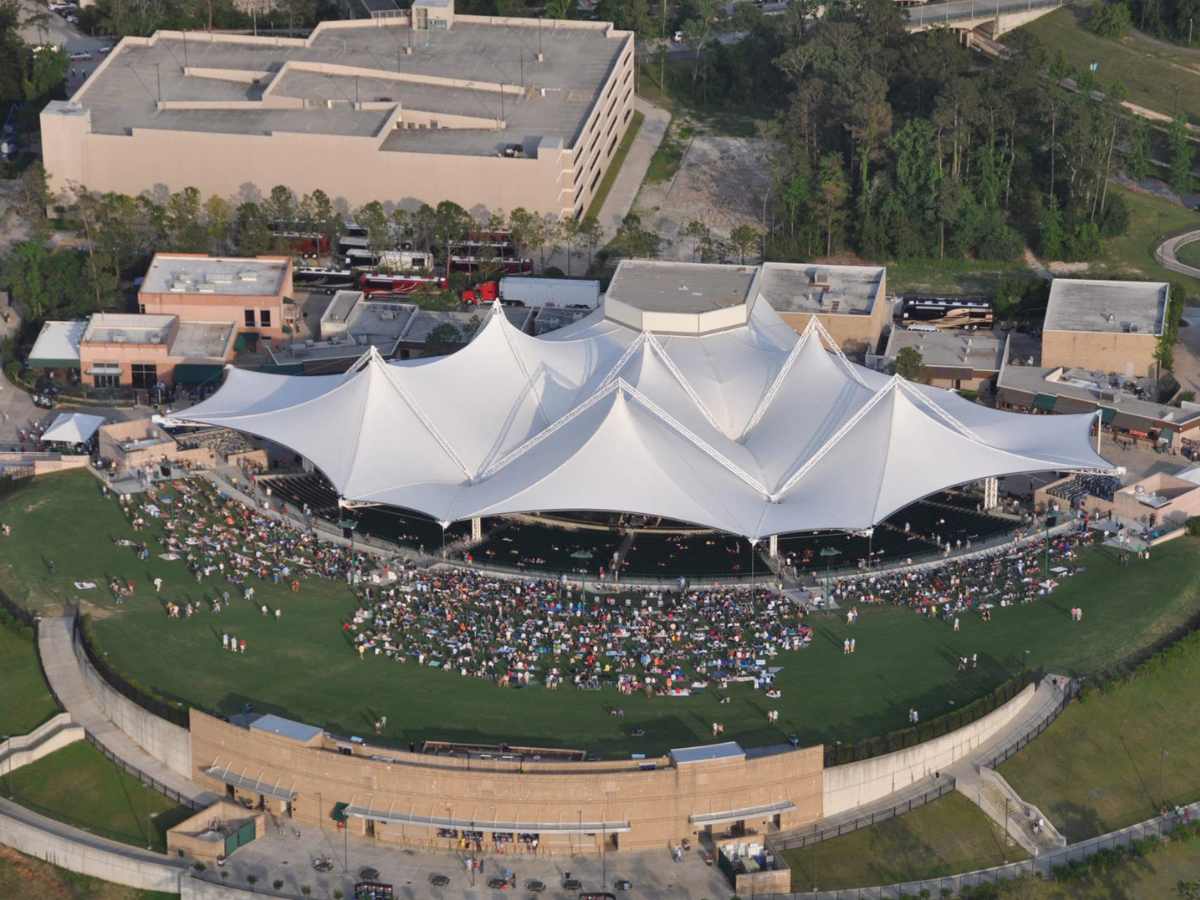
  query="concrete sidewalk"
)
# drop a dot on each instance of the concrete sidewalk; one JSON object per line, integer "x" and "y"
{"x": 64, "y": 672}
{"x": 625, "y": 188}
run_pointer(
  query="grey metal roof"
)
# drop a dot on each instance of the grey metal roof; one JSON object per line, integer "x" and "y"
{"x": 1114, "y": 307}
{"x": 707, "y": 753}
{"x": 58, "y": 342}
{"x": 746, "y": 812}
{"x": 258, "y": 785}
{"x": 568, "y": 827}
{"x": 274, "y": 724}
{"x": 1055, "y": 382}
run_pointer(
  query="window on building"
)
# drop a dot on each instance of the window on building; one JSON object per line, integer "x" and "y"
{"x": 142, "y": 308}
{"x": 264, "y": 318}
{"x": 249, "y": 318}
{"x": 145, "y": 375}
{"x": 106, "y": 381}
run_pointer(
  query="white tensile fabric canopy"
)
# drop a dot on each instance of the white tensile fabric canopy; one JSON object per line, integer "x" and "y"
{"x": 73, "y": 428}
{"x": 756, "y": 430}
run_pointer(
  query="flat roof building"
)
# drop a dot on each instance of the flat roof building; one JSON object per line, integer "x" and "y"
{"x": 1110, "y": 326}
{"x": 419, "y": 107}
{"x": 950, "y": 359}
{"x": 143, "y": 351}
{"x": 251, "y": 294}
{"x": 698, "y": 298}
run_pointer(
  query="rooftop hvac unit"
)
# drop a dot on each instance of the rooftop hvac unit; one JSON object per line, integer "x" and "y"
{"x": 819, "y": 278}
{"x": 247, "y": 275}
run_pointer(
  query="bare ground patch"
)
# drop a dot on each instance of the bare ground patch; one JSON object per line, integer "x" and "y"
{"x": 722, "y": 182}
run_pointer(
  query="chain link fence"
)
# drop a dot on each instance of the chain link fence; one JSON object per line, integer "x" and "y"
{"x": 798, "y": 841}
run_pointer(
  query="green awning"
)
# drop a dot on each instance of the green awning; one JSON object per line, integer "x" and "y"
{"x": 1044, "y": 402}
{"x": 52, "y": 363}
{"x": 1166, "y": 433}
{"x": 339, "y": 812}
{"x": 197, "y": 373}
{"x": 1107, "y": 415}
{"x": 247, "y": 340}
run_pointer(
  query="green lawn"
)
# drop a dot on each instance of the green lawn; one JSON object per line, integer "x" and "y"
{"x": 669, "y": 156}
{"x": 27, "y": 700}
{"x": 80, "y": 786}
{"x": 1119, "y": 755}
{"x": 1150, "y": 220}
{"x": 301, "y": 666}
{"x": 614, "y": 168}
{"x": 950, "y": 276}
{"x": 944, "y": 837}
{"x": 26, "y": 878}
{"x": 1158, "y": 76}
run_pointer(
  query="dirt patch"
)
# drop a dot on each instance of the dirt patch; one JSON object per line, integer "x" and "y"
{"x": 36, "y": 879}
{"x": 1068, "y": 268}
{"x": 721, "y": 182}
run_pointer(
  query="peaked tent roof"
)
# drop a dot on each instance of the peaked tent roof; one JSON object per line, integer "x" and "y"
{"x": 754, "y": 430}
{"x": 73, "y": 428}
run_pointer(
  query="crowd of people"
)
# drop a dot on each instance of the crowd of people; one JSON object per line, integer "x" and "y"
{"x": 1007, "y": 576}
{"x": 218, "y": 537}
{"x": 521, "y": 631}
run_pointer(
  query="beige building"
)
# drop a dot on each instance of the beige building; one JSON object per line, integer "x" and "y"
{"x": 137, "y": 443}
{"x": 1105, "y": 326}
{"x": 491, "y": 113}
{"x": 143, "y": 351}
{"x": 950, "y": 359}
{"x": 850, "y": 301}
{"x": 433, "y": 800}
{"x": 696, "y": 298}
{"x": 252, "y": 295}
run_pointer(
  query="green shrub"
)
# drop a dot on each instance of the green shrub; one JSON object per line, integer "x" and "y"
{"x": 1111, "y": 20}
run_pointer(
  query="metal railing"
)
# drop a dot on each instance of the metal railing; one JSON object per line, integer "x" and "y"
{"x": 799, "y": 840}
{"x": 934, "y": 14}
{"x": 1047, "y": 865}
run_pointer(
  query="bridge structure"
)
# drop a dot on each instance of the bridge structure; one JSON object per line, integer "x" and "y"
{"x": 988, "y": 19}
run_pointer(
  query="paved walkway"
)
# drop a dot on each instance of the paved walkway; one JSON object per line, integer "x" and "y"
{"x": 1166, "y": 252}
{"x": 66, "y": 679}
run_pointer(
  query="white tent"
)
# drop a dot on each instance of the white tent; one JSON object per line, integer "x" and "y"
{"x": 754, "y": 430}
{"x": 73, "y": 428}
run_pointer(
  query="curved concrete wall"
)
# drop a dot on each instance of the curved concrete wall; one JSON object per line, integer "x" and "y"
{"x": 81, "y": 852}
{"x": 856, "y": 784}
{"x": 42, "y": 741}
{"x": 170, "y": 744}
